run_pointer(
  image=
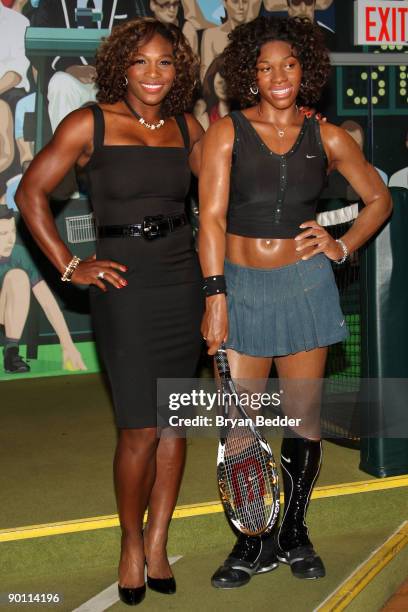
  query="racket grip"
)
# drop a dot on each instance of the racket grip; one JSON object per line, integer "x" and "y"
{"x": 222, "y": 361}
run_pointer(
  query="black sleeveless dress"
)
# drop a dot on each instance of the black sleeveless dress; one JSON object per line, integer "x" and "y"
{"x": 150, "y": 329}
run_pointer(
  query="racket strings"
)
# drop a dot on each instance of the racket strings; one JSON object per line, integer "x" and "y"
{"x": 247, "y": 473}
{"x": 249, "y": 479}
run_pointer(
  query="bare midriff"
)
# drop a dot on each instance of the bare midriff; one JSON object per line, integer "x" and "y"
{"x": 263, "y": 252}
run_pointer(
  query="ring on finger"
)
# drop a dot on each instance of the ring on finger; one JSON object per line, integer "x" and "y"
{"x": 101, "y": 275}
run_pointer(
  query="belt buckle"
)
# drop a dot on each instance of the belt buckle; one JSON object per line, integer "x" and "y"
{"x": 151, "y": 227}
{"x": 132, "y": 231}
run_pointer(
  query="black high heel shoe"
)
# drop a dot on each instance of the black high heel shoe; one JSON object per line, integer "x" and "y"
{"x": 132, "y": 596}
{"x": 167, "y": 586}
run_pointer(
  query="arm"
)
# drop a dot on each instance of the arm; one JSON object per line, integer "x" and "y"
{"x": 196, "y": 133}
{"x": 71, "y": 356}
{"x": 255, "y": 7}
{"x": 72, "y": 143}
{"x": 214, "y": 195}
{"x": 207, "y": 52}
{"x": 9, "y": 80}
{"x": 194, "y": 15}
{"x": 19, "y": 5}
{"x": 345, "y": 156}
{"x": 84, "y": 73}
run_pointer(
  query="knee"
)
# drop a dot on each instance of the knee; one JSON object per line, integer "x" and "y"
{"x": 136, "y": 441}
{"x": 16, "y": 279}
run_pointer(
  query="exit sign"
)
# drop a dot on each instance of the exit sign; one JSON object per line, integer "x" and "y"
{"x": 380, "y": 22}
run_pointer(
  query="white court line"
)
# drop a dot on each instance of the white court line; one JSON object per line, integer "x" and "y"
{"x": 108, "y": 597}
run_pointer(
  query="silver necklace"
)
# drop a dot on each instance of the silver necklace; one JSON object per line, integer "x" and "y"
{"x": 146, "y": 124}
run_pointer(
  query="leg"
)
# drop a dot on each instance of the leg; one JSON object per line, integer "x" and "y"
{"x": 134, "y": 473}
{"x": 15, "y": 302}
{"x": 25, "y": 147}
{"x": 6, "y": 136}
{"x": 300, "y": 459}
{"x": 170, "y": 460}
{"x": 26, "y": 152}
{"x": 14, "y": 306}
{"x": 247, "y": 557}
{"x": 301, "y": 380}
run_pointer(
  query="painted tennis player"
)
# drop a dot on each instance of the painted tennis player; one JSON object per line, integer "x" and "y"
{"x": 263, "y": 169}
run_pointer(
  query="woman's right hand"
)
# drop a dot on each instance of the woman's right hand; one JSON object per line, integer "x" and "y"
{"x": 89, "y": 272}
{"x": 214, "y": 327}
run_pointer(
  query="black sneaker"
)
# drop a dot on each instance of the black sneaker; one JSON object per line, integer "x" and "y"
{"x": 303, "y": 561}
{"x": 240, "y": 565}
{"x": 13, "y": 363}
{"x": 268, "y": 560}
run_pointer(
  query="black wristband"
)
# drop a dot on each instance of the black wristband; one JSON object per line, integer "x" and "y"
{"x": 213, "y": 285}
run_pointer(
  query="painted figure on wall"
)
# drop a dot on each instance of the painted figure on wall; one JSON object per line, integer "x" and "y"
{"x": 166, "y": 11}
{"x": 400, "y": 178}
{"x": 14, "y": 85}
{"x": 215, "y": 39}
{"x": 357, "y": 133}
{"x": 19, "y": 276}
{"x": 71, "y": 79}
{"x": 214, "y": 104}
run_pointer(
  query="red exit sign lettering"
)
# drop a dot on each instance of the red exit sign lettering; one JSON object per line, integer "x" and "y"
{"x": 380, "y": 22}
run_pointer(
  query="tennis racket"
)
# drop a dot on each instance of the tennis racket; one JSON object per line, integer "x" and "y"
{"x": 246, "y": 469}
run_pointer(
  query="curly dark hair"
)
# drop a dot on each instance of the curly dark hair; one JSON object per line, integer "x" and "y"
{"x": 242, "y": 52}
{"x": 117, "y": 52}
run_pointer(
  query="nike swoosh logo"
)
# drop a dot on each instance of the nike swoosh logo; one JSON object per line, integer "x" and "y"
{"x": 342, "y": 323}
{"x": 288, "y": 460}
{"x": 311, "y": 156}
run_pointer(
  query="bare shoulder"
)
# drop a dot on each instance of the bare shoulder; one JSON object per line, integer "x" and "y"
{"x": 333, "y": 135}
{"x": 338, "y": 143}
{"x": 78, "y": 125}
{"x": 222, "y": 133}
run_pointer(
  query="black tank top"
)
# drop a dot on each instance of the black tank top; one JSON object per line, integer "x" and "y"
{"x": 128, "y": 182}
{"x": 271, "y": 194}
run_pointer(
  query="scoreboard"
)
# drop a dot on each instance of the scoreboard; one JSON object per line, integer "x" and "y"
{"x": 389, "y": 86}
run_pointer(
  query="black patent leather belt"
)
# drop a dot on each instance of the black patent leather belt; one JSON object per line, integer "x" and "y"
{"x": 151, "y": 228}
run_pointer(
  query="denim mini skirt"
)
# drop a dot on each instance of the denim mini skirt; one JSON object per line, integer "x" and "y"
{"x": 282, "y": 311}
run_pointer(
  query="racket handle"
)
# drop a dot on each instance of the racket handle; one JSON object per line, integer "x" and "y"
{"x": 222, "y": 361}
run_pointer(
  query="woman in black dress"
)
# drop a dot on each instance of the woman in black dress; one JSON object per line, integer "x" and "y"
{"x": 138, "y": 149}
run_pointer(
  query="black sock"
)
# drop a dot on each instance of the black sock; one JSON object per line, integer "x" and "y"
{"x": 11, "y": 342}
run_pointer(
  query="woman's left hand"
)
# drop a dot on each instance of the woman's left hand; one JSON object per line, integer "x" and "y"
{"x": 319, "y": 239}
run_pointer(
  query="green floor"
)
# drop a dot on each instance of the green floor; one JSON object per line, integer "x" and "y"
{"x": 56, "y": 445}
{"x": 49, "y": 362}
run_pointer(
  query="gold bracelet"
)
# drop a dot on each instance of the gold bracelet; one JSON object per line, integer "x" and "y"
{"x": 70, "y": 269}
